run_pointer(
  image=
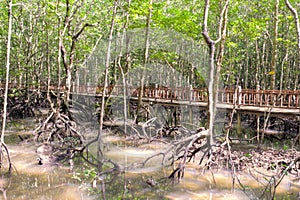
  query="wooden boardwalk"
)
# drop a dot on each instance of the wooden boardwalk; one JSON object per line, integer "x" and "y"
{"x": 285, "y": 102}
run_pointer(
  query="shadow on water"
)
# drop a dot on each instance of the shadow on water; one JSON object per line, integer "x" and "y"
{"x": 33, "y": 181}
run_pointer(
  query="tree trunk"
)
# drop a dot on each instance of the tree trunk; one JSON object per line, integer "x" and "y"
{"x": 3, "y": 146}
{"x": 285, "y": 59}
{"x": 146, "y": 54}
{"x": 297, "y": 24}
{"x": 246, "y": 67}
{"x": 121, "y": 67}
{"x": 106, "y": 79}
{"x": 263, "y": 64}
{"x": 258, "y": 64}
{"x": 213, "y": 72}
{"x": 60, "y": 41}
{"x": 274, "y": 48}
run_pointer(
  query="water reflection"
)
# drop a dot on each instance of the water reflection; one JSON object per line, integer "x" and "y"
{"x": 33, "y": 181}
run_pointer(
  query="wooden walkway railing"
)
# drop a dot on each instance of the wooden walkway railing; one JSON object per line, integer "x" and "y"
{"x": 260, "y": 98}
{"x": 246, "y": 97}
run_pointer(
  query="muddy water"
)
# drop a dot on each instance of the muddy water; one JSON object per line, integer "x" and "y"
{"x": 30, "y": 180}
{"x": 195, "y": 184}
{"x": 33, "y": 181}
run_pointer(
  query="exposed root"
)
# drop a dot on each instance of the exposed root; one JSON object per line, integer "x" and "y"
{"x": 182, "y": 150}
{"x": 59, "y": 131}
{"x": 21, "y": 104}
{"x": 5, "y": 158}
{"x": 58, "y": 128}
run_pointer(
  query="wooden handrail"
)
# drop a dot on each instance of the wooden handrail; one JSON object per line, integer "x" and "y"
{"x": 245, "y": 97}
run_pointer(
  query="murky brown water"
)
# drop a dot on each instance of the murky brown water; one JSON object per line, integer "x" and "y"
{"x": 33, "y": 181}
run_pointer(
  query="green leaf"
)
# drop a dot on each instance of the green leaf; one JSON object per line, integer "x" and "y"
{"x": 248, "y": 155}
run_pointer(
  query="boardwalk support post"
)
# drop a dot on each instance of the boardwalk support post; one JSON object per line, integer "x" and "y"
{"x": 257, "y": 126}
{"x": 239, "y": 123}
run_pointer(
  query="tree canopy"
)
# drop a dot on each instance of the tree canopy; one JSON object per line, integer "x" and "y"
{"x": 38, "y": 25}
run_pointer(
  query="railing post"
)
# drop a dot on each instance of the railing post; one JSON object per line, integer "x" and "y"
{"x": 297, "y": 102}
{"x": 289, "y": 100}
{"x": 228, "y": 96}
{"x": 235, "y": 97}
{"x": 87, "y": 87}
{"x": 156, "y": 92}
{"x": 257, "y": 94}
{"x": 191, "y": 93}
{"x": 223, "y": 93}
{"x": 239, "y": 95}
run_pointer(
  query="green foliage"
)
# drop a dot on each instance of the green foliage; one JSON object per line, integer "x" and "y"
{"x": 85, "y": 175}
{"x": 37, "y": 25}
{"x": 91, "y": 173}
{"x": 248, "y": 155}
